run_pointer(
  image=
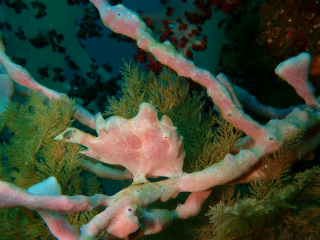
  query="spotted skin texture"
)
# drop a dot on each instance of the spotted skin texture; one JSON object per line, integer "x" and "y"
{"x": 144, "y": 145}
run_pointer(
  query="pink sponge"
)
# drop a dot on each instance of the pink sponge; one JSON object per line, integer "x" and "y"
{"x": 295, "y": 71}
